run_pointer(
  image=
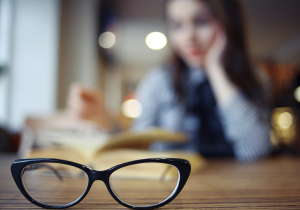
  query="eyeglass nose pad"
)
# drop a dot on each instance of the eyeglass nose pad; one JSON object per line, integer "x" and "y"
{"x": 98, "y": 175}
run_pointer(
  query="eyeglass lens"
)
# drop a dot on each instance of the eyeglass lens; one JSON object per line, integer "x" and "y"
{"x": 144, "y": 184}
{"x": 51, "y": 183}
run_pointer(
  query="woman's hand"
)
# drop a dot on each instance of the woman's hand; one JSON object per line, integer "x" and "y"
{"x": 88, "y": 104}
{"x": 213, "y": 57}
{"x": 214, "y": 69}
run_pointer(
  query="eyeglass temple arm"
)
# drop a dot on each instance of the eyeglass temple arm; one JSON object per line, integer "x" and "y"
{"x": 37, "y": 166}
{"x": 165, "y": 172}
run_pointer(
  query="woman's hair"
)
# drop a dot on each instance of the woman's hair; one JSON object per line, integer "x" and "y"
{"x": 235, "y": 57}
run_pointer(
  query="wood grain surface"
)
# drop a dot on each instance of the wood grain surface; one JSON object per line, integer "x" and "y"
{"x": 273, "y": 183}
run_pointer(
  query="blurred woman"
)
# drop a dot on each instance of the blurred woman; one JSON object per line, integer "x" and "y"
{"x": 208, "y": 90}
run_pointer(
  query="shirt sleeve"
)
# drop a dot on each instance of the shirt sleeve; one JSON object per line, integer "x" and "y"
{"x": 245, "y": 128}
{"x": 147, "y": 94}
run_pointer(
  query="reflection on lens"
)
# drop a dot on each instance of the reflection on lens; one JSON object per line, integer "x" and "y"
{"x": 144, "y": 184}
{"x": 51, "y": 183}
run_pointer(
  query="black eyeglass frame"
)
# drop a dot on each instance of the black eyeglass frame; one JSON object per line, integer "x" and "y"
{"x": 182, "y": 165}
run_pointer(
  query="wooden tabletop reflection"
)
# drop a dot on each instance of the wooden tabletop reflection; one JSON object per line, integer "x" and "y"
{"x": 273, "y": 183}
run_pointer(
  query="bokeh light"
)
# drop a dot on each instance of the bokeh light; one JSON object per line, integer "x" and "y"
{"x": 285, "y": 120}
{"x": 132, "y": 108}
{"x": 156, "y": 40}
{"x": 297, "y": 94}
{"x": 107, "y": 39}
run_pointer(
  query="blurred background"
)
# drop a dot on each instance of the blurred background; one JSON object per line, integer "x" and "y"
{"x": 45, "y": 46}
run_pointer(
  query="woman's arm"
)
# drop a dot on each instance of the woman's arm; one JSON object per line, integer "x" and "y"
{"x": 245, "y": 128}
{"x": 243, "y": 123}
{"x": 147, "y": 94}
{"x": 88, "y": 105}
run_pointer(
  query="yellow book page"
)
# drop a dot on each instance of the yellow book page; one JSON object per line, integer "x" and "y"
{"x": 142, "y": 139}
{"x": 88, "y": 145}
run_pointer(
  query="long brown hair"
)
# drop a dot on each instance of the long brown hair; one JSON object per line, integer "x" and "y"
{"x": 235, "y": 58}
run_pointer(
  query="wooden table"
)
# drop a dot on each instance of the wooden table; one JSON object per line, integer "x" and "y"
{"x": 273, "y": 183}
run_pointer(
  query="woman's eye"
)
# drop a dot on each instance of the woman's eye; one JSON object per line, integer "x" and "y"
{"x": 201, "y": 22}
{"x": 174, "y": 25}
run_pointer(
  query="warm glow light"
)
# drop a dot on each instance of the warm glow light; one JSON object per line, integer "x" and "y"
{"x": 156, "y": 40}
{"x": 106, "y": 40}
{"x": 132, "y": 108}
{"x": 297, "y": 94}
{"x": 285, "y": 120}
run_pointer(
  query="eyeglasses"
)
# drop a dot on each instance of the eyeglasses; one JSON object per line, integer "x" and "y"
{"x": 140, "y": 184}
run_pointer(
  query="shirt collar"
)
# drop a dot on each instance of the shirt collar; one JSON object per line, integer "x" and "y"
{"x": 196, "y": 75}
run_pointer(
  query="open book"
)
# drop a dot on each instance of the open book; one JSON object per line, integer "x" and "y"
{"x": 102, "y": 151}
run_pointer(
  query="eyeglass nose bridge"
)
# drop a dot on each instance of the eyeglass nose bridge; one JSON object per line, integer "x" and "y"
{"x": 98, "y": 175}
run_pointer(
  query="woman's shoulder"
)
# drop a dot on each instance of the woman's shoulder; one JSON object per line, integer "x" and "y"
{"x": 160, "y": 73}
{"x": 157, "y": 82}
{"x": 158, "y": 77}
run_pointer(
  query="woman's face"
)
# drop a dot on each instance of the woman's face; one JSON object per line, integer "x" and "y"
{"x": 192, "y": 29}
